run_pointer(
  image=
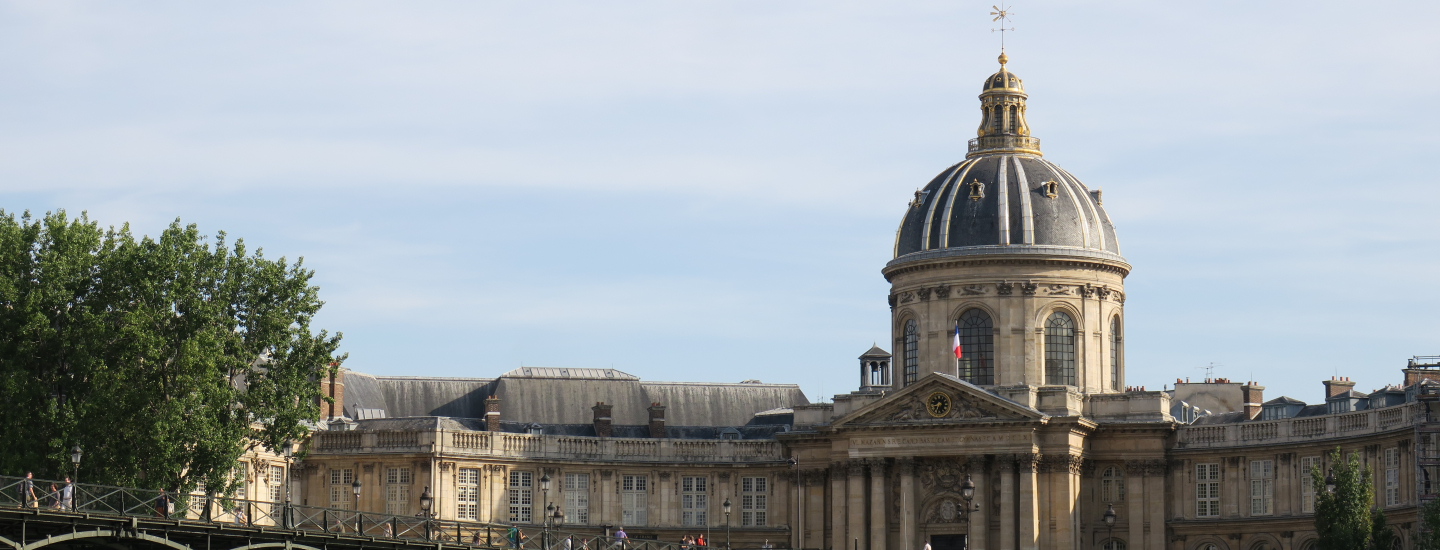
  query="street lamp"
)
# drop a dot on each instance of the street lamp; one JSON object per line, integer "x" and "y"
{"x": 75, "y": 460}
{"x": 726, "y": 507}
{"x": 545, "y": 520}
{"x": 287, "y": 450}
{"x": 1109, "y": 519}
{"x": 1330, "y": 481}
{"x": 355, "y": 487}
{"x": 425, "y": 501}
{"x": 967, "y": 492}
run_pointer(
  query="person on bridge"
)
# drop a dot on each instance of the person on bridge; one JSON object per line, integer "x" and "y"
{"x": 27, "y": 492}
{"x": 67, "y": 495}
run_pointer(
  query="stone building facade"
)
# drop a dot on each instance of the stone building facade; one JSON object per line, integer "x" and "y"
{"x": 1005, "y": 254}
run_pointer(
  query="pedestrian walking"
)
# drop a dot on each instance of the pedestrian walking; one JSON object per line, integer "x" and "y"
{"x": 621, "y": 538}
{"x": 67, "y": 495}
{"x": 27, "y": 492}
{"x": 162, "y": 504}
{"x": 927, "y": 545}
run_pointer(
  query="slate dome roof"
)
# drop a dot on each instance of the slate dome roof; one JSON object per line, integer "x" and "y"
{"x": 1005, "y": 198}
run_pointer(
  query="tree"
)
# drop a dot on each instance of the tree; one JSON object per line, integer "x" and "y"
{"x": 1381, "y": 537}
{"x": 165, "y": 359}
{"x": 1343, "y": 516}
{"x": 1428, "y": 537}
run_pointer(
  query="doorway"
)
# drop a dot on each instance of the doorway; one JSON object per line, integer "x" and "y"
{"x": 947, "y": 542}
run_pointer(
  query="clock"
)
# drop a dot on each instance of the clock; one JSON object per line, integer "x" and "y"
{"x": 938, "y": 404}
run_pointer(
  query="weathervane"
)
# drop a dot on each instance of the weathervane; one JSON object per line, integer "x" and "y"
{"x": 1003, "y": 16}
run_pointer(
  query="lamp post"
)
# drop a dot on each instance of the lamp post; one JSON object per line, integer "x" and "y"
{"x": 75, "y": 479}
{"x": 1330, "y": 481}
{"x": 425, "y": 501}
{"x": 355, "y": 487}
{"x": 967, "y": 492}
{"x": 557, "y": 518}
{"x": 1109, "y": 519}
{"x": 287, "y": 451}
{"x": 545, "y": 520}
{"x": 726, "y": 507}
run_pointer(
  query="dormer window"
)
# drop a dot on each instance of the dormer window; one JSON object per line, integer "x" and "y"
{"x": 729, "y": 434}
{"x": 534, "y": 429}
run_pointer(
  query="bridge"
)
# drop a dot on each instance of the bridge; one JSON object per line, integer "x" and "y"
{"x": 102, "y": 517}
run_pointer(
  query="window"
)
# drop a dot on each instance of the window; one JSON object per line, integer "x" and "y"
{"x": 397, "y": 491}
{"x": 633, "y": 501}
{"x": 1307, "y": 483}
{"x": 753, "y": 501}
{"x": 340, "y": 494}
{"x": 1112, "y": 485}
{"x": 522, "y": 494}
{"x": 276, "y": 482}
{"x": 912, "y": 352}
{"x": 1262, "y": 487}
{"x": 1207, "y": 490}
{"x": 1392, "y": 476}
{"x": 1115, "y": 355}
{"x": 1060, "y": 350}
{"x": 977, "y": 348}
{"x": 1113, "y": 544}
{"x": 693, "y": 502}
{"x": 467, "y": 494}
{"x": 577, "y": 499}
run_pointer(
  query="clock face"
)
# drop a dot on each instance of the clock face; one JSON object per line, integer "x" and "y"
{"x": 938, "y": 404}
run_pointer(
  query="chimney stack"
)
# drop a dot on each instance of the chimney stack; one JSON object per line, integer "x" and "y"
{"x": 1336, "y": 386}
{"x": 492, "y": 414}
{"x": 602, "y": 419}
{"x": 1253, "y": 396}
{"x": 333, "y": 387}
{"x": 657, "y": 420}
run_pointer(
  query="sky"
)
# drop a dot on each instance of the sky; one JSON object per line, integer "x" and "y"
{"x": 707, "y": 190}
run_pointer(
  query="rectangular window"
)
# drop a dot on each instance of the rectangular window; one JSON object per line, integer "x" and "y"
{"x": 340, "y": 494}
{"x": 276, "y": 483}
{"x": 633, "y": 501}
{"x": 1262, "y": 487}
{"x": 754, "y": 497}
{"x": 1207, "y": 490}
{"x": 1112, "y": 485}
{"x": 693, "y": 501}
{"x": 577, "y": 499}
{"x": 1392, "y": 477}
{"x": 397, "y": 491}
{"x": 1307, "y": 483}
{"x": 467, "y": 494}
{"x": 522, "y": 494}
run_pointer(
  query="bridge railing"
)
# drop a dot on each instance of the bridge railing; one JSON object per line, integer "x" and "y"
{"x": 110, "y": 500}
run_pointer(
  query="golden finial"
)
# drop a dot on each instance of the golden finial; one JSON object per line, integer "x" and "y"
{"x": 1003, "y": 59}
{"x": 1003, "y": 16}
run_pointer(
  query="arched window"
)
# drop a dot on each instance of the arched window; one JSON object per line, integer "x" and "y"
{"x": 1112, "y": 486}
{"x": 977, "y": 348}
{"x": 1060, "y": 350}
{"x": 1115, "y": 354}
{"x": 1113, "y": 544}
{"x": 912, "y": 352}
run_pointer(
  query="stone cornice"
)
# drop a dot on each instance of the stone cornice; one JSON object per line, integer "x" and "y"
{"x": 1005, "y": 256}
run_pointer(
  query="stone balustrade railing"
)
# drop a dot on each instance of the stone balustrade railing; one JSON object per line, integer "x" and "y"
{"x": 1298, "y": 430}
{"x": 502, "y": 445}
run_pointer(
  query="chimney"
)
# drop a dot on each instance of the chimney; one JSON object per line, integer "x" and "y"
{"x": 492, "y": 414}
{"x": 1253, "y": 396}
{"x": 333, "y": 387}
{"x": 602, "y": 419}
{"x": 1336, "y": 386}
{"x": 657, "y": 420}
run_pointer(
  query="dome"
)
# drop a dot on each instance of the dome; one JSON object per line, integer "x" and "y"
{"x": 1005, "y": 198}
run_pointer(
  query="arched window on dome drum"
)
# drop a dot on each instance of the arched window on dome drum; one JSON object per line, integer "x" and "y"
{"x": 1115, "y": 354}
{"x": 977, "y": 348}
{"x": 1060, "y": 350}
{"x": 1113, "y": 544}
{"x": 912, "y": 352}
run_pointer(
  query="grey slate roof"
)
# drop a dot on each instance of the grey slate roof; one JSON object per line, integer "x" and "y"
{"x": 1013, "y": 214}
{"x": 1283, "y": 400}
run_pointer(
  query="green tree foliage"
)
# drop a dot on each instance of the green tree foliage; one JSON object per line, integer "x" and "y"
{"x": 1381, "y": 536}
{"x": 164, "y": 358}
{"x": 1429, "y": 533}
{"x": 1343, "y": 517}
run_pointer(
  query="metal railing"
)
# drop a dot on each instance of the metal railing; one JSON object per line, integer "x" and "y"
{"x": 85, "y": 498}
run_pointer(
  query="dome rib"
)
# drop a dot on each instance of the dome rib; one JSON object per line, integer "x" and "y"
{"x": 1027, "y": 214}
{"x": 950, "y": 206}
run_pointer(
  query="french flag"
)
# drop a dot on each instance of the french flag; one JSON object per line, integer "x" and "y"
{"x": 958, "y": 354}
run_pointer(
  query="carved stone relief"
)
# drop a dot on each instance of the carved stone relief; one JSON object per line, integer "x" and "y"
{"x": 1028, "y": 289}
{"x": 924, "y": 293}
{"x": 1004, "y": 288}
{"x": 1055, "y": 290}
{"x": 973, "y": 290}
{"x": 942, "y": 291}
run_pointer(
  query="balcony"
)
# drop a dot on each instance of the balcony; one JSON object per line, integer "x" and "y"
{"x": 513, "y": 445}
{"x": 1014, "y": 144}
{"x": 1297, "y": 430}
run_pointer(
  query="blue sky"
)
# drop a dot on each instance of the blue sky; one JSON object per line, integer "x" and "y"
{"x": 707, "y": 190}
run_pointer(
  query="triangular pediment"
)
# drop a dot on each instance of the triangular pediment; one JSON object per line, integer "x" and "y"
{"x": 940, "y": 399}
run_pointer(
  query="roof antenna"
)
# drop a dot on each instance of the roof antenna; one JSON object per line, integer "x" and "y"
{"x": 1003, "y": 16}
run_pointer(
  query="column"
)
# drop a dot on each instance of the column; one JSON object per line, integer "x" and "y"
{"x": 839, "y": 472}
{"x": 1155, "y": 504}
{"x": 797, "y": 539}
{"x": 1065, "y": 486}
{"x": 855, "y": 506}
{"x": 908, "y": 537}
{"x": 979, "y": 520}
{"x": 1135, "y": 504}
{"x": 1029, "y": 517}
{"x": 1006, "y": 466}
{"x": 877, "y": 504}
